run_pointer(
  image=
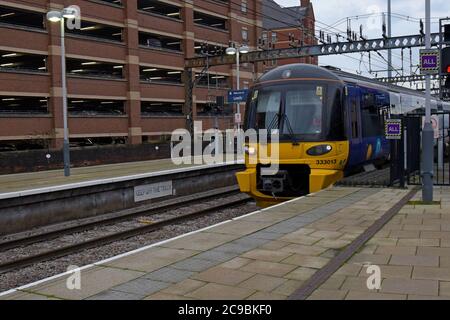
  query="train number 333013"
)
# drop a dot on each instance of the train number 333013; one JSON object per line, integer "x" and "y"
{"x": 326, "y": 162}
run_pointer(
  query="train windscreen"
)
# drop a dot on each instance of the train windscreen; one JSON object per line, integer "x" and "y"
{"x": 294, "y": 110}
{"x": 267, "y": 108}
{"x": 303, "y": 110}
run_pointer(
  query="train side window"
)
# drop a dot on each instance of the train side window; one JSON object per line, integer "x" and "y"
{"x": 354, "y": 119}
{"x": 337, "y": 128}
{"x": 370, "y": 117}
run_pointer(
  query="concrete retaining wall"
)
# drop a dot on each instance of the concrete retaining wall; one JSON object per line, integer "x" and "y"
{"x": 36, "y": 160}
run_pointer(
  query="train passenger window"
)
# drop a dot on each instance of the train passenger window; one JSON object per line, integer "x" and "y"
{"x": 371, "y": 118}
{"x": 354, "y": 119}
{"x": 337, "y": 128}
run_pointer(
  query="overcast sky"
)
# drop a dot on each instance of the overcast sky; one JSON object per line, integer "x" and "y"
{"x": 334, "y": 13}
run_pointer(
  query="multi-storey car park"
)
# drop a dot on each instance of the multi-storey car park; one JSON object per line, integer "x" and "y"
{"x": 124, "y": 68}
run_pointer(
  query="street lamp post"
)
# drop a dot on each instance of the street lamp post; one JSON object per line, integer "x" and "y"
{"x": 58, "y": 16}
{"x": 238, "y": 51}
{"x": 238, "y": 84}
{"x": 389, "y": 36}
{"x": 428, "y": 132}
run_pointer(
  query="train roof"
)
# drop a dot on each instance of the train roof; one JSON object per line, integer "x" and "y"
{"x": 353, "y": 78}
{"x": 298, "y": 70}
{"x": 308, "y": 71}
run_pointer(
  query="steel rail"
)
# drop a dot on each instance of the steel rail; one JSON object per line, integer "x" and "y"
{"x": 92, "y": 243}
{"x": 125, "y": 214}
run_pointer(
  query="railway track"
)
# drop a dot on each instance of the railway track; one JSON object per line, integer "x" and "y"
{"x": 229, "y": 198}
{"x": 89, "y": 223}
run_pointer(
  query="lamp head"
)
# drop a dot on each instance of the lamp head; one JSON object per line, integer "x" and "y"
{"x": 54, "y": 16}
{"x": 69, "y": 13}
{"x": 230, "y": 51}
{"x": 244, "y": 49}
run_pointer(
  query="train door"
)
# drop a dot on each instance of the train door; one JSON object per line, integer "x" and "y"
{"x": 354, "y": 124}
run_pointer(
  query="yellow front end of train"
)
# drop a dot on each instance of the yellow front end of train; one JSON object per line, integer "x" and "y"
{"x": 295, "y": 134}
{"x": 293, "y": 164}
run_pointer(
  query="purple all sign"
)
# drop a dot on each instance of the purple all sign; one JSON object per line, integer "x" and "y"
{"x": 393, "y": 129}
{"x": 429, "y": 61}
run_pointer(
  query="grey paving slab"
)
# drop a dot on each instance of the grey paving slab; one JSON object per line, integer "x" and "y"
{"x": 359, "y": 194}
{"x": 242, "y": 245}
{"x": 168, "y": 274}
{"x": 288, "y": 224}
{"x": 345, "y": 202}
{"x": 319, "y": 216}
{"x": 23, "y": 295}
{"x": 266, "y": 235}
{"x": 115, "y": 295}
{"x": 300, "y": 220}
{"x": 364, "y": 195}
{"x": 250, "y": 241}
{"x": 346, "y": 199}
{"x": 353, "y": 197}
{"x": 217, "y": 255}
{"x": 339, "y": 206}
{"x": 304, "y": 218}
{"x": 93, "y": 281}
{"x": 320, "y": 210}
{"x": 295, "y": 223}
{"x": 141, "y": 286}
{"x": 281, "y": 229}
{"x": 332, "y": 210}
{"x": 325, "y": 208}
{"x": 201, "y": 241}
{"x": 195, "y": 265}
{"x": 235, "y": 248}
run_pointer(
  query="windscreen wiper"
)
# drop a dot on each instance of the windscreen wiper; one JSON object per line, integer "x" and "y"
{"x": 274, "y": 123}
{"x": 294, "y": 139}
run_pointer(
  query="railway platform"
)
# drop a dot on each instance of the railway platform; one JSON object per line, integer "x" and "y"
{"x": 33, "y": 200}
{"x": 19, "y": 184}
{"x": 316, "y": 247}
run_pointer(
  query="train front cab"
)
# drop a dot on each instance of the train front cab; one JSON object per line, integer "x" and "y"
{"x": 312, "y": 150}
{"x": 298, "y": 172}
{"x": 350, "y": 134}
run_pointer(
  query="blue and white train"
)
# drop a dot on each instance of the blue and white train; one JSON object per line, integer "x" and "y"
{"x": 329, "y": 123}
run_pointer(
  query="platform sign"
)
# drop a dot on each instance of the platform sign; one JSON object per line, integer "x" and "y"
{"x": 430, "y": 61}
{"x": 152, "y": 191}
{"x": 393, "y": 129}
{"x": 237, "y": 96}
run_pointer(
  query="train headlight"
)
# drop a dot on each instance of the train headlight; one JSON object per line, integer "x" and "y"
{"x": 250, "y": 150}
{"x": 319, "y": 150}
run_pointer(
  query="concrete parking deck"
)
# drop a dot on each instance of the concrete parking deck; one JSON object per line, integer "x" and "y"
{"x": 272, "y": 253}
